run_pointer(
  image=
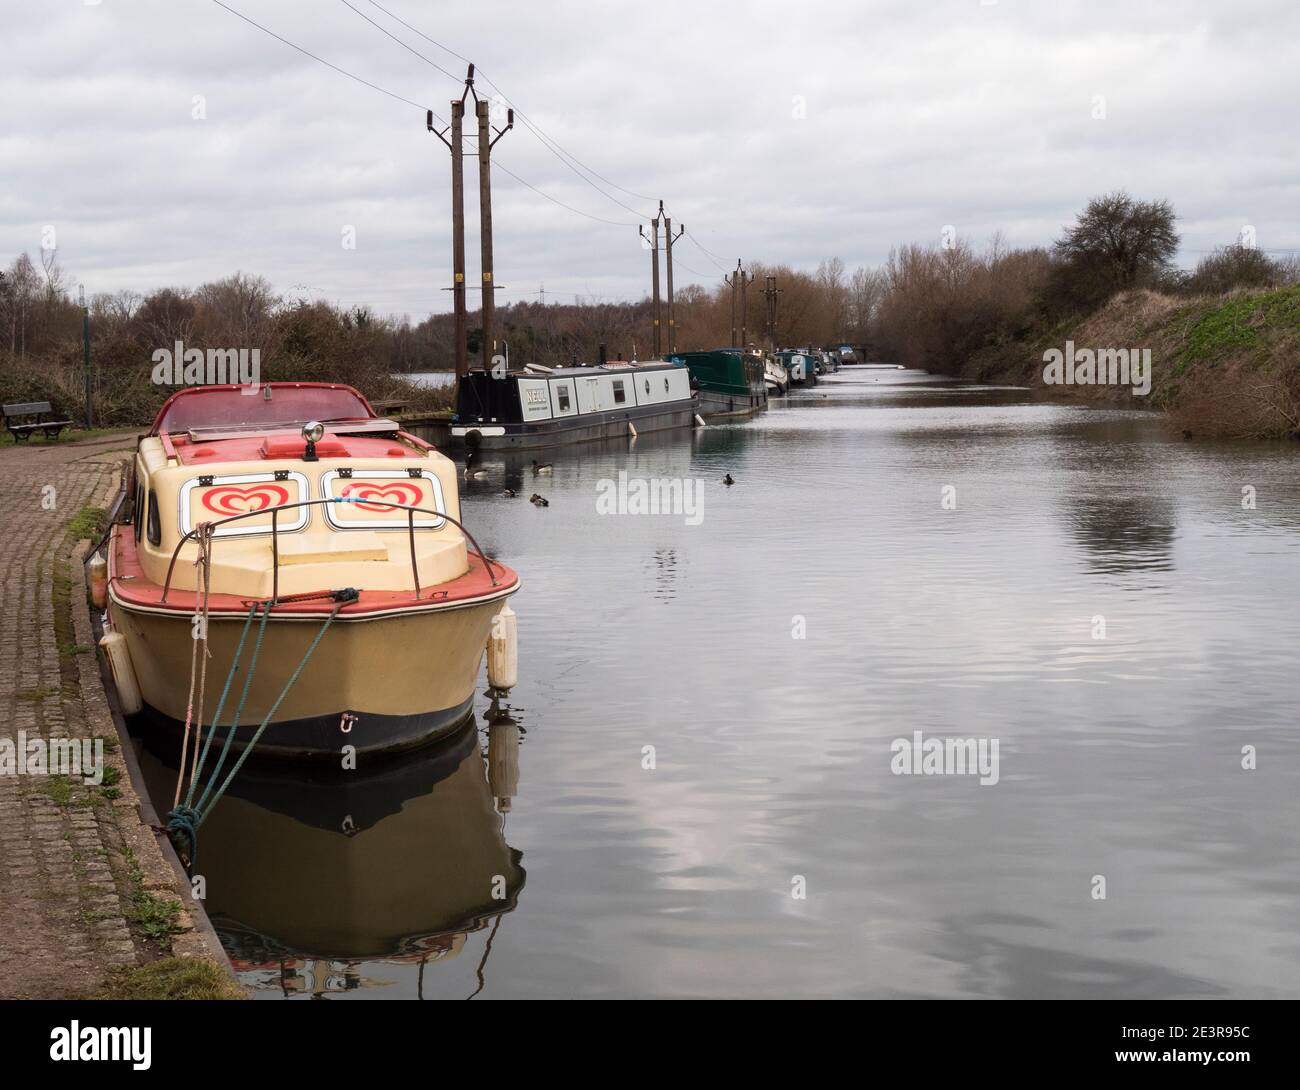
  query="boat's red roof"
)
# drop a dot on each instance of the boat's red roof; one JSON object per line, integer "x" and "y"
{"x": 281, "y": 445}
{"x": 232, "y": 406}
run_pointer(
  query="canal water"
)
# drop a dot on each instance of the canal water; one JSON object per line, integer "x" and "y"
{"x": 695, "y": 789}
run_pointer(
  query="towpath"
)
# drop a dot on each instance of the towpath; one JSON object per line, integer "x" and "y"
{"x": 85, "y": 888}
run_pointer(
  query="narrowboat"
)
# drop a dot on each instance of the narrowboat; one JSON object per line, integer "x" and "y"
{"x": 799, "y": 365}
{"x": 542, "y": 406}
{"x": 312, "y": 553}
{"x": 775, "y": 375}
{"x": 730, "y": 381}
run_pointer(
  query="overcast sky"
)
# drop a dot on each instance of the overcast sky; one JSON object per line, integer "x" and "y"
{"x": 780, "y": 132}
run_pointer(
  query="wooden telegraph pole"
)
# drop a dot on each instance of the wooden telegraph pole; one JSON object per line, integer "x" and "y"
{"x": 453, "y": 137}
{"x": 745, "y": 280}
{"x": 486, "y": 142}
{"x": 653, "y": 240}
{"x": 669, "y": 239}
{"x": 739, "y": 281}
{"x": 455, "y": 145}
{"x": 732, "y": 280}
{"x": 770, "y": 292}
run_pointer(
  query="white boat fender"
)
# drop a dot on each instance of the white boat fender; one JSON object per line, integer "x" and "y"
{"x": 699, "y": 420}
{"x": 503, "y": 763}
{"x": 503, "y": 650}
{"x": 631, "y": 429}
{"x": 98, "y": 581}
{"x": 113, "y": 644}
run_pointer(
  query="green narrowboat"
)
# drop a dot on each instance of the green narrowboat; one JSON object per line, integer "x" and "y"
{"x": 730, "y": 381}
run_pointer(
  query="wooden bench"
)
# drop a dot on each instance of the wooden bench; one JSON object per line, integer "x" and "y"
{"x": 24, "y": 417}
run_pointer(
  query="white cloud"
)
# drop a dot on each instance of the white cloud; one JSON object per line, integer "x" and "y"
{"x": 916, "y": 116}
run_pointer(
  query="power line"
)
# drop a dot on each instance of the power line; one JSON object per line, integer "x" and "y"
{"x": 322, "y": 60}
{"x": 547, "y": 142}
{"x": 399, "y": 41}
{"x": 706, "y": 252}
{"x": 410, "y": 102}
{"x": 417, "y": 105}
{"x": 537, "y": 132}
{"x": 554, "y": 200}
{"x": 694, "y": 272}
{"x": 500, "y": 166}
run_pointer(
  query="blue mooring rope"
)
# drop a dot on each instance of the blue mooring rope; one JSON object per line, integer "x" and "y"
{"x": 183, "y": 822}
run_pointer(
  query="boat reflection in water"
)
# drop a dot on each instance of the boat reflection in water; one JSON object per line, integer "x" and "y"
{"x": 314, "y": 879}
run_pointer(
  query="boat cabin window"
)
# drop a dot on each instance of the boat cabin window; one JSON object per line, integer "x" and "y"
{"x": 619, "y": 395}
{"x": 278, "y": 406}
{"x": 562, "y": 392}
{"x": 155, "y": 523}
{"x": 139, "y": 511}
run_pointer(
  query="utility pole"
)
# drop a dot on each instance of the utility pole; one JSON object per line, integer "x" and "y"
{"x": 770, "y": 292}
{"x": 745, "y": 280}
{"x": 739, "y": 281}
{"x": 457, "y": 220}
{"x": 85, "y": 345}
{"x": 486, "y": 142}
{"x": 653, "y": 240}
{"x": 733, "y": 280}
{"x": 669, "y": 239}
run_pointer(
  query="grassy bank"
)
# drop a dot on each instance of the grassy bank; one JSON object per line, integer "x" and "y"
{"x": 172, "y": 978}
{"x": 1224, "y": 366}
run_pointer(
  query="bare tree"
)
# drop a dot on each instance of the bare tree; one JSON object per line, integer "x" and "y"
{"x": 1235, "y": 267}
{"x": 865, "y": 291}
{"x": 117, "y": 308}
{"x": 55, "y": 278}
{"x": 1121, "y": 239}
{"x": 830, "y": 279}
{"x": 22, "y": 285}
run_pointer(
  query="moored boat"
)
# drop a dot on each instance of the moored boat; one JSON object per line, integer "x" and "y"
{"x": 799, "y": 366}
{"x": 775, "y": 375}
{"x": 729, "y": 381}
{"x": 315, "y": 551}
{"x": 543, "y": 406}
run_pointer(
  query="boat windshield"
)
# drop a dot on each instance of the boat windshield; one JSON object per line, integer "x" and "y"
{"x": 249, "y": 407}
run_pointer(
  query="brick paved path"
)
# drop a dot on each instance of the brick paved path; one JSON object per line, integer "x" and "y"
{"x": 76, "y": 863}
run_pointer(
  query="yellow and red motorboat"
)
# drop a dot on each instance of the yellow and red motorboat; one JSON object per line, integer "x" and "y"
{"x": 317, "y": 547}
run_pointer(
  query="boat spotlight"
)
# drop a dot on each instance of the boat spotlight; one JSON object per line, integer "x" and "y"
{"x": 313, "y": 431}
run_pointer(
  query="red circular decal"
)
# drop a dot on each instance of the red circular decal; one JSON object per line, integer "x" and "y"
{"x": 229, "y": 499}
{"x": 401, "y": 492}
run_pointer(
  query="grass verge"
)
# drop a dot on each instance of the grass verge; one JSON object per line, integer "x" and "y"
{"x": 172, "y": 978}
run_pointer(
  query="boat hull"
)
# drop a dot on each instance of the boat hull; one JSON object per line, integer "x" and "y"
{"x": 715, "y": 403}
{"x": 583, "y": 429}
{"x": 375, "y": 683}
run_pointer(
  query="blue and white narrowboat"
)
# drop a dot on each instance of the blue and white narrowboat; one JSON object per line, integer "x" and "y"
{"x": 542, "y": 406}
